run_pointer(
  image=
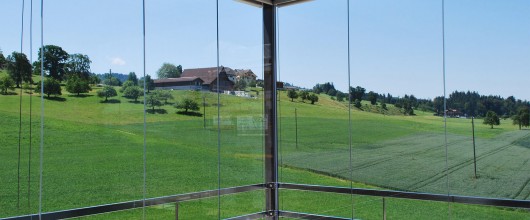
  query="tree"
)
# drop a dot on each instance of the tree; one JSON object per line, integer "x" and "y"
{"x": 54, "y": 61}
{"x": 332, "y": 92}
{"x": 150, "y": 84}
{"x": 19, "y": 68}
{"x": 2, "y": 60}
{"x": 133, "y": 92}
{"x": 187, "y": 104}
{"x": 438, "y": 104}
{"x": 304, "y": 95}
{"x": 313, "y": 98}
{"x": 126, "y": 84}
{"x": 522, "y": 118}
{"x": 292, "y": 94}
{"x": 6, "y": 83}
{"x": 28, "y": 87}
{"x": 372, "y": 97}
{"x": 77, "y": 85}
{"x": 357, "y": 103}
{"x": 133, "y": 78}
{"x": 491, "y": 119}
{"x": 107, "y": 92}
{"x": 94, "y": 79}
{"x": 357, "y": 93}
{"x": 168, "y": 70}
{"x": 384, "y": 106}
{"x": 51, "y": 87}
{"x": 240, "y": 85}
{"x": 78, "y": 65}
{"x": 153, "y": 101}
{"x": 340, "y": 96}
{"x": 164, "y": 95}
{"x": 110, "y": 80}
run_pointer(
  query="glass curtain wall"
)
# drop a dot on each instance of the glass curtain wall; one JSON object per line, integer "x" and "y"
{"x": 313, "y": 107}
{"x": 181, "y": 133}
{"x": 412, "y": 96}
{"x": 19, "y": 111}
{"x": 487, "y": 100}
{"x": 240, "y": 106}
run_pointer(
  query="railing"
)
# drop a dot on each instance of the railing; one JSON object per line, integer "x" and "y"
{"x": 93, "y": 210}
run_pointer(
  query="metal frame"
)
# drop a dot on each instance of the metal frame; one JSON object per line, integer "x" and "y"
{"x": 279, "y": 3}
{"x": 411, "y": 195}
{"x": 257, "y": 215}
{"x": 270, "y": 108}
{"x": 300, "y": 215}
{"x": 93, "y": 210}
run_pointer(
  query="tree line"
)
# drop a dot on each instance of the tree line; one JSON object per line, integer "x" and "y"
{"x": 468, "y": 104}
{"x": 59, "y": 67}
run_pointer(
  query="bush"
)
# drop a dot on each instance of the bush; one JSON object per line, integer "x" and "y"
{"x": 6, "y": 83}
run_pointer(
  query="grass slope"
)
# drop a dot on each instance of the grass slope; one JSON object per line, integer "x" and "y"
{"x": 93, "y": 154}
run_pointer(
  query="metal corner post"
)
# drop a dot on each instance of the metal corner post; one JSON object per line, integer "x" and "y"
{"x": 270, "y": 105}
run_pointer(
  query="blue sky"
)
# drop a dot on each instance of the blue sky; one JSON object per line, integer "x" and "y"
{"x": 396, "y": 46}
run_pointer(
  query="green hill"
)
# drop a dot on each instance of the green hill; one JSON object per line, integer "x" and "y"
{"x": 93, "y": 154}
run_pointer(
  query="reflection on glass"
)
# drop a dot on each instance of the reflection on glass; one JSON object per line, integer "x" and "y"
{"x": 487, "y": 100}
{"x": 182, "y": 108}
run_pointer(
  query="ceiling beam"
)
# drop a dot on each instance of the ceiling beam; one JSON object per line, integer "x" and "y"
{"x": 282, "y": 3}
{"x": 279, "y": 3}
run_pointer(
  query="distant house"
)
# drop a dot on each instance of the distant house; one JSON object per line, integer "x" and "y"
{"x": 182, "y": 83}
{"x": 210, "y": 79}
{"x": 246, "y": 75}
{"x": 453, "y": 113}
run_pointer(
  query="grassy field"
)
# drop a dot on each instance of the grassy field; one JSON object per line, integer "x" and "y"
{"x": 94, "y": 155}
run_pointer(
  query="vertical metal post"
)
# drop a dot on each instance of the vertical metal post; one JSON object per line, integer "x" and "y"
{"x": 296, "y": 126}
{"x": 176, "y": 210}
{"x": 474, "y": 151}
{"x": 384, "y": 209}
{"x": 270, "y": 109}
{"x": 203, "y": 110}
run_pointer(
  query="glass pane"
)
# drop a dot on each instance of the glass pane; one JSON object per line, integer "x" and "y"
{"x": 487, "y": 68}
{"x": 318, "y": 203}
{"x": 93, "y": 145}
{"x": 241, "y": 102}
{"x": 19, "y": 111}
{"x": 398, "y": 141}
{"x": 313, "y": 122}
{"x": 181, "y": 137}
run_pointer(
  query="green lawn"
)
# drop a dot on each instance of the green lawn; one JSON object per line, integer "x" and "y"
{"x": 93, "y": 154}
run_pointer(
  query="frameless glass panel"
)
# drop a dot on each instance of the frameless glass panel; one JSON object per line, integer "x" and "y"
{"x": 464, "y": 211}
{"x": 318, "y": 203}
{"x": 93, "y": 138}
{"x": 19, "y": 110}
{"x": 313, "y": 121}
{"x": 396, "y": 71}
{"x": 241, "y": 102}
{"x": 487, "y": 87}
{"x": 182, "y": 110}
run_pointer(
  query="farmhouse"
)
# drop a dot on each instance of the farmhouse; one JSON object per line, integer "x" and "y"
{"x": 182, "y": 83}
{"x": 209, "y": 78}
{"x": 246, "y": 75}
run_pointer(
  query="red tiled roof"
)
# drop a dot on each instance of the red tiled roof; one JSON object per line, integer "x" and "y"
{"x": 208, "y": 75}
{"x": 181, "y": 79}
